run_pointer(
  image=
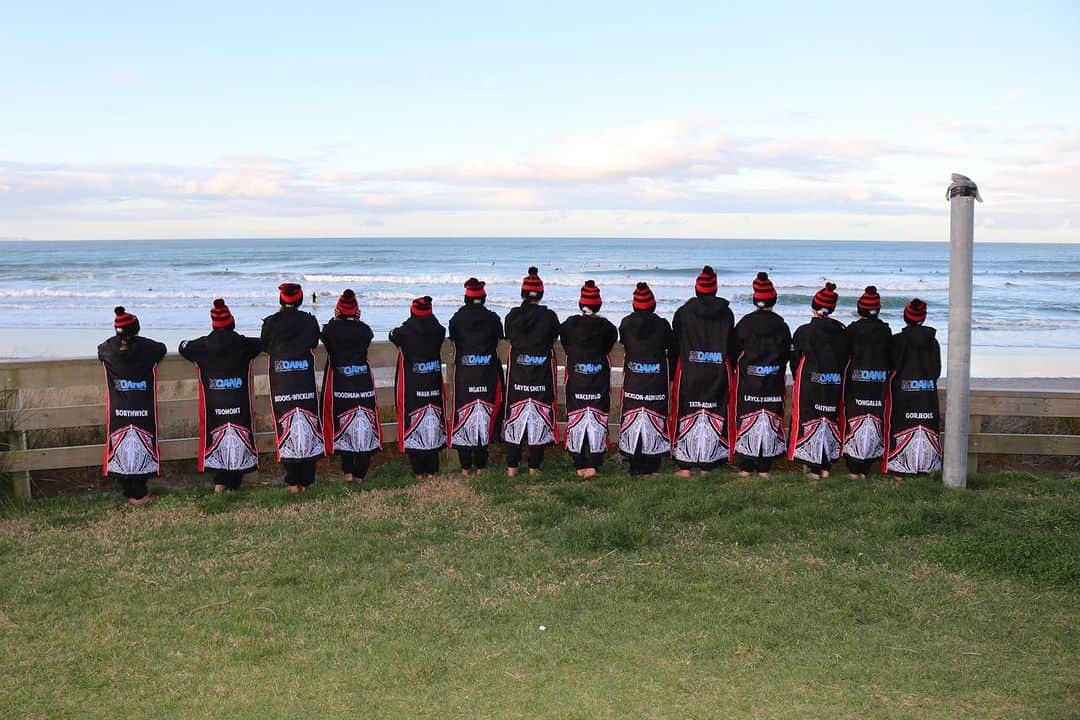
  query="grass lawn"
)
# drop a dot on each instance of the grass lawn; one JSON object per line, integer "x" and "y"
{"x": 705, "y": 598}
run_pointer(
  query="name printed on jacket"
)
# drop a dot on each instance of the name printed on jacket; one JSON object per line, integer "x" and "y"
{"x": 530, "y": 388}
{"x": 227, "y": 411}
{"x": 132, "y": 413}
{"x": 346, "y": 395}
{"x": 294, "y": 397}
{"x": 763, "y": 398}
{"x": 645, "y": 398}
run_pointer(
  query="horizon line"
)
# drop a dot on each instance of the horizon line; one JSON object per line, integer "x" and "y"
{"x": 515, "y": 237}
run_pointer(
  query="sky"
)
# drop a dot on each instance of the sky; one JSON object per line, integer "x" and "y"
{"x": 778, "y": 119}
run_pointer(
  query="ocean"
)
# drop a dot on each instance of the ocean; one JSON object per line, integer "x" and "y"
{"x": 57, "y": 298}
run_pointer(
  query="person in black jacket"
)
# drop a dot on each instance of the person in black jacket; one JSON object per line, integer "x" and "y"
{"x": 704, "y": 337}
{"x": 912, "y": 408}
{"x": 131, "y": 446}
{"x": 418, "y": 385}
{"x": 478, "y": 381}
{"x": 529, "y": 423}
{"x": 226, "y": 429}
{"x": 644, "y": 432}
{"x": 819, "y": 355}
{"x": 587, "y": 339}
{"x": 865, "y": 382}
{"x": 762, "y": 351}
{"x": 289, "y": 337}
{"x": 351, "y": 423}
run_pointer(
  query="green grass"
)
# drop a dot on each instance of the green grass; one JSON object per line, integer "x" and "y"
{"x": 661, "y": 597}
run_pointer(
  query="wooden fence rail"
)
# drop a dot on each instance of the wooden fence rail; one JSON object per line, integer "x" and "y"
{"x": 25, "y": 383}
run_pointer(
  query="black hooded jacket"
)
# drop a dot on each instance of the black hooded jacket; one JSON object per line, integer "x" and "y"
{"x": 131, "y": 408}
{"x": 224, "y": 361}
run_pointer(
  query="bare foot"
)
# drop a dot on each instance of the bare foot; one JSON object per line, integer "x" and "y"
{"x": 763, "y": 475}
{"x": 511, "y": 472}
{"x": 853, "y": 476}
{"x": 348, "y": 478}
{"x": 144, "y": 500}
{"x": 813, "y": 476}
{"x": 682, "y": 473}
{"x": 744, "y": 473}
{"x": 464, "y": 472}
{"x": 702, "y": 473}
{"x": 293, "y": 489}
{"x": 824, "y": 473}
{"x": 580, "y": 472}
{"x": 218, "y": 489}
{"x": 430, "y": 476}
{"x": 534, "y": 471}
{"x": 588, "y": 473}
{"x": 304, "y": 488}
{"x": 862, "y": 476}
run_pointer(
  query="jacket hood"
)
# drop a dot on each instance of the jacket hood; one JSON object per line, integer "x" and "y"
{"x": 919, "y": 335}
{"x": 709, "y": 306}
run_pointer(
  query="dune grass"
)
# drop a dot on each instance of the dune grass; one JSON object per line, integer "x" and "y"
{"x": 548, "y": 597}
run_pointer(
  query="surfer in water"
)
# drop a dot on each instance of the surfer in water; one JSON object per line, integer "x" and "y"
{"x": 644, "y": 436}
{"x": 762, "y": 352}
{"x": 529, "y": 424}
{"x": 290, "y": 337}
{"x": 587, "y": 339}
{"x": 865, "y": 381}
{"x": 912, "y": 409}
{"x": 818, "y": 358}
{"x": 704, "y": 337}
{"x": 418, "y": 385}
{"x": 222, "y": 361}
{"x": 351, "y": 425}
{"x": 478, "y": 379}
{"x": 131, "y": 447}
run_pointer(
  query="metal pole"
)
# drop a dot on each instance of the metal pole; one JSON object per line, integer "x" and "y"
{"x": 962, "y": 195}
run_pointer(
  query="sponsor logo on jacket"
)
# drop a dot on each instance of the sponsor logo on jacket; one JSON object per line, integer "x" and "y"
{"x": 762, "y": 370}
{"x": 526, "y": 359}
{"x": 705, "y": 356}
{"x": 350, "y": 370}
{"x": 233, "y": 383}
{"x": 877, "y": 376}
{"x": 918, "y": 385}
{"x": 471, "y": 360}
{"x": 129, "y": 385}
{"x": 584, "y": 368}
{"x": 831, "y": 378}
{"x": 291, "y": 365}
{"x": 644, "y": 368}
{"x": 427, "y": 367}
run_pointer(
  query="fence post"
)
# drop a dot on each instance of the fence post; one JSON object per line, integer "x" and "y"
{"x": 976, "y": 426}
{"x": 962, "y": 194}
{"x": 20, "y": 479}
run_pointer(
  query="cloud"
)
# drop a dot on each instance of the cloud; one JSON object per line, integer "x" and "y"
{"x": 670, "y": 169}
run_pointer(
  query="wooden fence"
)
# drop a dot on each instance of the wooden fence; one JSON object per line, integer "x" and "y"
{"x": 39, "y": 398}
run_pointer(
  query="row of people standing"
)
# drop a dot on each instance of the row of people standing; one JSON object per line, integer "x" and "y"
{"x": 703, "y": 389}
